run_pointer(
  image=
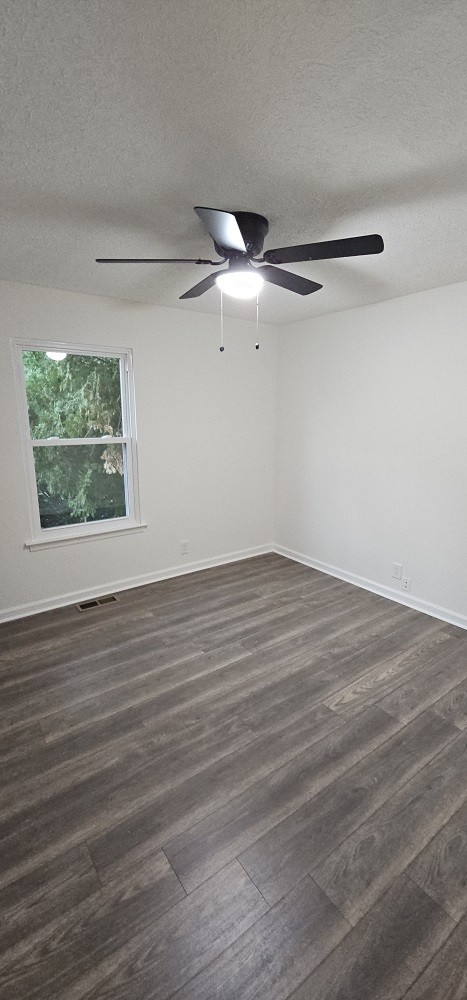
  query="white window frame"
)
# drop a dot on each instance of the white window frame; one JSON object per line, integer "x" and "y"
{"x": 46, "y": 537}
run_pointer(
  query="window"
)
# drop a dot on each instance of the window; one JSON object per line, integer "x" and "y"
{"x": 80, "y": 446}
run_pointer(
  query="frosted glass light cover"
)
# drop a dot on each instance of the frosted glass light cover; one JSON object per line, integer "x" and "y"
{"x": 240, "y": 284}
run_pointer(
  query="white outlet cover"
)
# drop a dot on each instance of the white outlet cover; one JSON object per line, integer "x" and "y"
{"x": 397, "y": 571}
{"x": 406, "y": 583}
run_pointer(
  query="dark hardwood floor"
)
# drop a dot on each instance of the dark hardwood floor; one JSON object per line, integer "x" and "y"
{"x": 245, "y": 783}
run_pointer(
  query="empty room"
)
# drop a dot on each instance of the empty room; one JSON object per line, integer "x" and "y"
{"x": 233, "y": 535}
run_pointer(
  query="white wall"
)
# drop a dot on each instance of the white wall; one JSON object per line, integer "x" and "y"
{"x": 372, "y": 444}
{"x": 371, "y": 449}
{"x": 206, "y": 439}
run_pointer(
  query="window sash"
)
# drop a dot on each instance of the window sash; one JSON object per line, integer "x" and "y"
{"x": 128, "y": 441}
{"x": 55, "y": 442}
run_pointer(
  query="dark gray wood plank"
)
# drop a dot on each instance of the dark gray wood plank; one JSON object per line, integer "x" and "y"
{"x": 317, "y": 626}
{"x": 445, "y": 978}
{"x": 211, "y": 695}
{"x": 141, "y": 726}
{"x": 427, "y": 687}
{"x": 19, "y": 792}
{"x": 323, "y": 668}
{"x": 206, "y": 847}
{"x": 138, "y": 614}
{"x": 130, "y": 725}
{"x": 101, "y": 696}
{"x": 360, "y": 869}
{"x": 83, "y": 652}
{"x": 301, "y": 842}
{"x": 167, "y": 815}
{"x": 46, "y": 894}
{"x": 125, "y": 729}
{"x": 155, "y": 697}
{"x": 429, "y": 654}
{"x": 221, "y": 629}
{"x": 172, "y": 754}
{"x": 286, "y": 680}
{"x": 453, "y": 706}
{"x": 441, "y": 868}
{"x": 66, "y": 806}
{"x": 159, "y": 959}
{"x": 304, "y": 587}
{"x": 381, "y": 956}
{"x": 30, "y": 835}
{"x": 46, "y": 963}
{"x": 275, "y": 954}
{"x": 54, "y": 645}
{"x": 229, "y": 578}
{"x": 339, "y": 608}
{"x": 17, "y": 742}
{"x": 92, "y": 675}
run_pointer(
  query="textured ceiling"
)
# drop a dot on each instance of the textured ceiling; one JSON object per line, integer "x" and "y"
{"x": 331, "y": 118}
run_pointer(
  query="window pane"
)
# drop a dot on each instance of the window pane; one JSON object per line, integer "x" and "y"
{"x": 79, "y": 483}
{"x": 75, "y": 397}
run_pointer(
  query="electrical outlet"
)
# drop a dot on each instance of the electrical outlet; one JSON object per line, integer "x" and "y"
{"x": 184, "y": 547}
{"x": 405, "y": 583}
{"x": 397, "y": 571}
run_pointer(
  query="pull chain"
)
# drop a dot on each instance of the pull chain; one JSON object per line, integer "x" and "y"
{"x": 221, "y": 348}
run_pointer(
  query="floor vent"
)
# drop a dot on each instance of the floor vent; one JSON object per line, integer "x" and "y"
{"x": 86, "y": 605}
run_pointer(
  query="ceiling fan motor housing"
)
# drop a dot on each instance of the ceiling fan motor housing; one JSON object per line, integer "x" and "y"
{"x": 254, "y": 230}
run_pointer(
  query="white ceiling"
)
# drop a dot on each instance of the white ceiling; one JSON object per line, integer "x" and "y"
{"x": 330, "y": 117}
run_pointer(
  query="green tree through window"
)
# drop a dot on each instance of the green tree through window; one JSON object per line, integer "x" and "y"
{"x": 78, "y": 397}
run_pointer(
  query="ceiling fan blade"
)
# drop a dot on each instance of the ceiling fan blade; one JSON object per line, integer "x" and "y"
{"x": 294, "y": 282}
{"x": 223, "y": 227}
{"x": 202, "y": 286}
{"x": 355, "y": 246}
{"x": 155, "y": 260}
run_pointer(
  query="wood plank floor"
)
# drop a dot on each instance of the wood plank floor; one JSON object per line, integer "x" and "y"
{"x": 245, "y": 783}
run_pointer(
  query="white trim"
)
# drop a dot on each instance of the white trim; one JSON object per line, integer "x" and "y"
{"x": 88, "y": 531}
{"x": 28, "y": 344}
{"x": 453, "y": 617}
{"x": 25, "y": 435}
{"x": 77, "y": 596}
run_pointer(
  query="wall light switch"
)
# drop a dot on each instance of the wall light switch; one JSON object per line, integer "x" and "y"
{"x": 397, "y": 571}
{"x": 184, "y": 547}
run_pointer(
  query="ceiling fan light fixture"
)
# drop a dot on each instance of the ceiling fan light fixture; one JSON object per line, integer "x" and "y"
{"x": 241, "y": 284}
{"x": 238, "y": 239}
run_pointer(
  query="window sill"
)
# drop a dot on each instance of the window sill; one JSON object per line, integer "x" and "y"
{"x": 83, "y": 536}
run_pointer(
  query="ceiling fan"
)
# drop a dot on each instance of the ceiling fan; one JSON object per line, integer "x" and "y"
{"x": 238, "y": 239}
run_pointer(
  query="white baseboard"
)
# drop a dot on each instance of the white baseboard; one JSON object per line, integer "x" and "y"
{"x": 114, "y": 586}
{"x": 453, "y": 617}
